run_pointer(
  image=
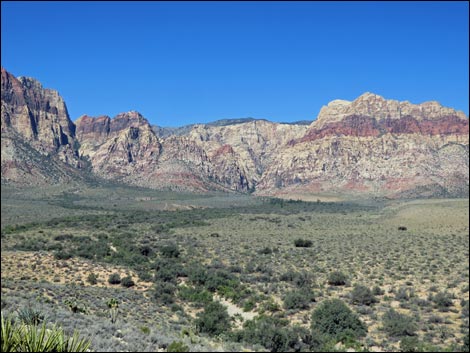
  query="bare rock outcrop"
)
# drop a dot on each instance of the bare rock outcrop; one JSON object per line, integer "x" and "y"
{"x": 36, "y": 130}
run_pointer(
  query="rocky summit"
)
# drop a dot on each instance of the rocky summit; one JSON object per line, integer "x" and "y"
{"x": 372, "y": 145}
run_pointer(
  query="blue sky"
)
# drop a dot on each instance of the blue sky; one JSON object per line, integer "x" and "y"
{"x": 187, "y": 62}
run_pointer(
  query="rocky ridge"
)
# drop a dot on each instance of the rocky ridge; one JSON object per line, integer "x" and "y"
{"x": 370, "y": 145}
{"x": 38, "y": 137}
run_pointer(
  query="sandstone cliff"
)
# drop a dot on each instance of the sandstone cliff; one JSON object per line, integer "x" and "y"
{"x": 374, "y": 145}
{"x": 36, "y": 130}
{"x": 371, "y": 146}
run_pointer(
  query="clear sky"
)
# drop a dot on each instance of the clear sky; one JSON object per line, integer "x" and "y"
{"x": 187, "y": 62}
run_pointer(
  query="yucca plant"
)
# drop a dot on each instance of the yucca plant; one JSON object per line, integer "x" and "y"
{"x": 72, "y": 343}
{"x": 10, "y": 333}
{"x": 113, "y": 305}
{"x": 38, "y": 339}
{"x": 18, "y": 337}
{"x": 30, "y": 316}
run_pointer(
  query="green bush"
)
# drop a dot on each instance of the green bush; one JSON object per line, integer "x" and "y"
{"x": 127, "y": 282}
{"x": 164, "y": 293}
{"x": 362, "y": 295}
{"x": 62, "y": 255}
{"x": 92, "y": 278}
{"x": 196, "y": 295}
{"x": 411, "y": 344}
{"x": 177, "y": 346}
{"x": 214, "y": 320}
{"x": 337, "y": 278}
{"x": 465, "y": 345}
{"x": 299, "y": 299}
{"x": 170, "y": 251}
{"x": 443, "y": 301}
{"x": 303, "y": 243}
{"x": 274, "y": 334}
{"x": 114, "y": 278}
{"x": 397, "y": 325}
{"x": 334, "y": 319}
{"x": 168, "y": 270}
{"x": 300, "y": 279}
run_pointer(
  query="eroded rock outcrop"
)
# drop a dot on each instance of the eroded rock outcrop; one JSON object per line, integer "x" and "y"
{"x": 37, "y": 133}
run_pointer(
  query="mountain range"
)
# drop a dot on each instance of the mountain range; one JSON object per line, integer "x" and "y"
{"x": 369, "y": 146}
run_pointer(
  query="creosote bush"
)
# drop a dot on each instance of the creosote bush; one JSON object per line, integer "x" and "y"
{"x": 177, "y": 346}
{"x": 127, "y": 282}
{"x": 303, "y": 243}
{"x": 299, "y": 299}
{"x": 362, "y": 295}
{"x": 214, "y": 320}
{"x": 114, "y": 278}
{"x": 92, "y": 278}
{"x": 333, "y": 318}
{"x": 397, "y": 325}
{"x": 337, "y": 278}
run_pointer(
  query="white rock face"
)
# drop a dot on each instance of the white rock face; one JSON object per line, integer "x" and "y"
{"x": 373, "y": 105}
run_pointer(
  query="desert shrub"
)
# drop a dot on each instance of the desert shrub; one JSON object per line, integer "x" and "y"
{"x": 411, "y": 344}
{"x": 404, "y": 294}
{"x": 62, "y": 255}
{"x": 177, "y": 346}
{"x": 196, "y": 295}
{"x": 337, "y": 278}
{"x": 274, "y": 334}
{"x": 270, "y": 305}
{"x": 300, "y": 279}
{"x": 170, "y": 251}
{"x": 63, "y": 237}
{"x": 333, "y": 318}
{"x": 92, "y": 278}
{"x": 377, "y": 291}
{"x": 215, "y": 279}
{"x": 168, "y": 270}
{"x": 127, "y": 282}
{"x": 298, "y": 299}
{"x": 146, "y": 250}
{"x": 114, "y": 278}
{"x": 164, "y": 293}
{"x": 362, "y": 295}
{"x": 303, "y": 243}
{"x": 249, "y": 304}
{"x": 265, "y": 251}
{"x": 465, "y": 308}
{"x": 214, "y": 320}
{"x": 442, "y": 300}
{"x": 465, "y": 345}
{"x": 397, "y": 325}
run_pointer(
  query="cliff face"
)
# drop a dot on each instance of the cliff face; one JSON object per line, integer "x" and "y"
{"x": 377, "y": 146}
{"x": 120, "y": 147}
{"x": 37, "y": 114}
{"x": 35, "y": 125}
{"x": 370, "y": 145}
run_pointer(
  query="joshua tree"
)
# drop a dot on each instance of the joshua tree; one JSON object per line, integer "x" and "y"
{"x": 113, "y": 306}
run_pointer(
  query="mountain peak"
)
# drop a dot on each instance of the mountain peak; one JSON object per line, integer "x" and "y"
{"x": 375, "y": 106}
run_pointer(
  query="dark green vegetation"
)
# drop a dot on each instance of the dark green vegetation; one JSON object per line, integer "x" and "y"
{"x": 297, "y": 276}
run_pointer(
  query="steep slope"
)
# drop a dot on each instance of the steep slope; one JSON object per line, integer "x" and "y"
{"x": 38, "y": 137}
{"x": 378, "y": 146}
